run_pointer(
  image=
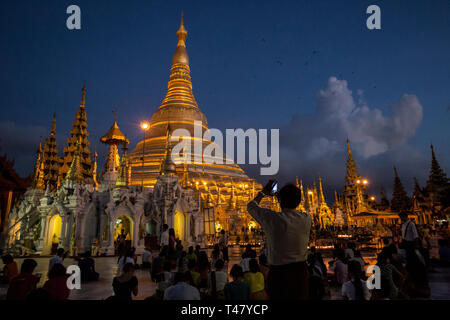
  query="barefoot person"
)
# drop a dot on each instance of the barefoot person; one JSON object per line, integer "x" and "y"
{"x": 287, "y": 234}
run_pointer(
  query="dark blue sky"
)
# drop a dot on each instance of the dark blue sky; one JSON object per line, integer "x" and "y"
{"x": 253, "y": 64}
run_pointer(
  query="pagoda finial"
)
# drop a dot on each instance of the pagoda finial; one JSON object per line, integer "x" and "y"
{"x": 181, "y": 33}
{"x": 395, "y": 172}
{"x": 83, "y": 97}
{"x": 181, "y": 55}
{"x": 53, "y": 124}
{"x": 349, "y": 150}
{"x": 123, "y": 178}
{"x": 321, "y": 196}
{"x": 75, "y": 173}
{"x": 38, "y": 175}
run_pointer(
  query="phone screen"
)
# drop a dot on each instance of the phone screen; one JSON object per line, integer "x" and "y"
{"x": 275, "y": 187}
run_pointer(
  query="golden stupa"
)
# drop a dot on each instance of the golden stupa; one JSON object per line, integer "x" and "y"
{"x": 224, "y": 185}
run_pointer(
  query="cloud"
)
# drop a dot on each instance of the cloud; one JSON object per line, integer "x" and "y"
{"x": 313, "y": 145}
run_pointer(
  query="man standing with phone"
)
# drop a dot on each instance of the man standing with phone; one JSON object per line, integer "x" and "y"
{"x": 287, "y": 234}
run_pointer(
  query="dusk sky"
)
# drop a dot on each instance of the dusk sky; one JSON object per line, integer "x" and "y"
{"x": 310, "y": 68}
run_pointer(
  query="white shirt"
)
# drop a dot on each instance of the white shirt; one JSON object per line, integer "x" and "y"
{"x": 349, "y": 253}
{"x": 181, "y": 291}
{"x": 164, "y": 238}
{"x": 409, "y": 231}
{"x": 123, "y": 262}
{"x": 348, "y": 290}
{"x": 287, "y": 233}
{"x": 223, "y": 241}
{"x": 245, "y": 264}
{"x": 146, "y": 255}
{"x": 54, "y": 260}
{"x": 341, "y": 271}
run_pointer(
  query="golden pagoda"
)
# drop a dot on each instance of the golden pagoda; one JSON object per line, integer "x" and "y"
{"x": 180, "y": 109}
{"x": 226, "y": 186}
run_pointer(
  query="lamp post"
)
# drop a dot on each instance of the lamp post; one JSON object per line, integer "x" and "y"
{"x": 144, "y": 127}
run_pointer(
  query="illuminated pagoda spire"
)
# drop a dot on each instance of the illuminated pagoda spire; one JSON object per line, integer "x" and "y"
{"x": 94, "y": 171}
{"x": 113, "y": 138}
{"x": 321, "y": 196}
{"x": 315, "y": 197}
{"x": 167, "y": 165}
{"x": 185, "y": 179}
{"x": 122, "y": 181}
{"x": 303, "y": 201}
{"x": 38, "y": 175}
{"x": 232, "y": 203}
{"x": 352, "y": 172}
{"x": 79, "y": 133}
{"x": 51, "y": 159}
{"x": 75, "y": 172}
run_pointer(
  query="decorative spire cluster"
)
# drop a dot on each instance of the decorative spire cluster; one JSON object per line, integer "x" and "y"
{"x": 51, "y": 159}
{"x": 75, "y": 172}
{"x": 79, "y": 133}
{"x": 38, "y": 175}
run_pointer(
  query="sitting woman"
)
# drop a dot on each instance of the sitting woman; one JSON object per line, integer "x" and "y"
{"x": 356, "y": 288}
{"x": 87, "y": 268}
{"x": 126, "y": 284}
{"x": 238, "y": 289}
{"x": 255, "y": 280}
{"x": 56, "y": 285}
{"x": 10, "y": 269}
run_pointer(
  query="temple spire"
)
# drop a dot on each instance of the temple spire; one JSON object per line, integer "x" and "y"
{"x": 321, "y": 196}
{"x": 352, "y": 176}
{"x": 181, "y": 55}
{"x": 75, "y": 171}
{"x": 38, "y": 175}
{"x": 51, "y": 159}
{"x": 123, "y": 179}
{"x": 79, "y": 133}
{"x": 53, "y": 131}
{"x": 113, "y": 138}
{"x": 83, "y": 97}
{"x": 167, "y": 166}
{"x": 94, "y": 171}
{"x": 437, "y": 179}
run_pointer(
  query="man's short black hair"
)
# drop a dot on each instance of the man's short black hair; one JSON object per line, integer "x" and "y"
{"x": 28, "y": 266}
{"x": 289, "y": 196}
{"x": 165, "y": 226}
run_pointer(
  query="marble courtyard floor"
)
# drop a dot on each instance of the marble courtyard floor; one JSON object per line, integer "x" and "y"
{"x": 107, "y": 267}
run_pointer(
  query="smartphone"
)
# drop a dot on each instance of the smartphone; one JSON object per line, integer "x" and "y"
{"x": 275, "y": 187}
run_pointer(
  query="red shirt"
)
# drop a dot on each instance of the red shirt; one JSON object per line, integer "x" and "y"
{"x": 11, "y": 270}
{"x": 57, "y": 287}
{"x": 21, "y": 285}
